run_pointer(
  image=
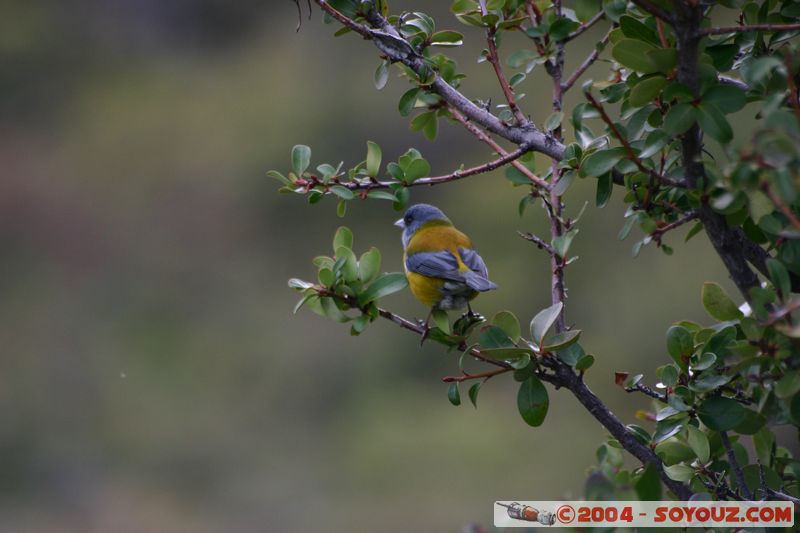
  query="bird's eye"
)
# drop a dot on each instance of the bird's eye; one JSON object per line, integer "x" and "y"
{"x": 407, "y": 219}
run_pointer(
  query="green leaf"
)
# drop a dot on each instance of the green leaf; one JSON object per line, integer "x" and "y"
{"x": 381, "y": 75}
{"x": 727, "y": 98}
{"x": 383, "y": 286}
{"x": 441, "y": 320}
{"x": 679, "y": 472}
{"x": 584, "y": 363}
{"x": 561, "y": 340}
{"x": 664, "y": 59}
{"x": 532, "y": 401}
{"x": 602, "y": 161}
{"x": 553, "y": 121}
{"x": 373, "y": 159}
{"x": 605, "y": 185}
{"x": 508, "y": 322}
{"x": 704, "y": 361}
{"x": 278, "y": 176}
{"x": 718, "y": 304}
{"x": 634, "y": 29}
{"x": 543, "y": 321}
{"x": 648, "y": 486}
{"x": 646, "y": 91}
{"x": 332, "y": 312}
{"x": 680, "y": 345}
{"x": 407, "y": 101}
{"x": 679, "y": 118}
{"x": 447, "y": 38}
{"x": 349, "y": 268}
{"x": 301, "y": 158}
{"x": 305, "y": 299}
{"x": 473, "y": 393}
{"x": 517, "y": 357}
{"x": 369, "y": 265}
{"x": 562, "y": 243}
{"x": 698, "y": 442}
{"x": 632, "y": 54}
{"x": 418, "y": 168}
{"x": 382, "y": 195}
{"x": 714, "y": 123}
{"x": 299, "y": 284}
{"x": 788, "y": 385}
{"x": 494, "y": 337}
{"x": 779, "y": 277}
{"x": 343, "y": 238}
{"x": 342, "y": 192}
{"x": 453, "y": 394}
{"x": 720, "y": 413}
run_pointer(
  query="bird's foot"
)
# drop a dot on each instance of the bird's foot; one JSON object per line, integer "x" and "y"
{"x": 426, "y": 329}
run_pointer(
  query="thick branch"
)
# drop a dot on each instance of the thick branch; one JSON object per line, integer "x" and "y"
{"x": 749, "y": 27}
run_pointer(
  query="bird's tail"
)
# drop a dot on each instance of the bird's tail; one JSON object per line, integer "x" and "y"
{"x": 478, "y": 282}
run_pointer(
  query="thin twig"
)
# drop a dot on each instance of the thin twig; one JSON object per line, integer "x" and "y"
{"x": 631, "y": 155}
{"x": 688, "y": 217}
{"x": 481, "y": 375}
{"x": 647, "y": 391}
{"x": 776, "y": 200}
{"x": 654, "y": 10}
{"x": 588, "y": 62}
{"x": 737, "y": 469}
{"x": 721, "y": 30}
{"x": 494, "y": 59}
{"x": 483, "y": 137}
{"x": 585, "y": 26}
{"x": 506, "y": 158}
{"x": 538, "y": 241}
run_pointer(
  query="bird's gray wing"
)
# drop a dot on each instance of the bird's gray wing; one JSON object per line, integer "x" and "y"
{"x": 474, "y": 262}
{"x": 441, "y": 264}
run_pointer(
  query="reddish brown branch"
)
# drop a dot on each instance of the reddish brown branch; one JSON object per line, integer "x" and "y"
{"x": 483, "y": 137}
{"x": 659, "y": 232}
{"x": 630, "y": 153}
{"x": 776, "y": 200}
{"x": 481, "y": 375}
{"x": 585, "y": 26}
{"x": 494, "y": 59}
{"x": 588, "y": 62}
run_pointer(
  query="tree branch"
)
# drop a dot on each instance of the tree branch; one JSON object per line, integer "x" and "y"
{"x": 654, "y": 10}
{"x": 481, "y": 135}
{"x": 721, "y": 30}
{"x": 585, "y": 26}
{"x": 631, "y": 155}
{"x": 397, "y": 49}
{"x": 647, "y": 391}
{"x": 493, "y": 58}
{"x": 481, "y": 375}
{"x": 588, "y": 62}
{"x": 737, "y": 469}
{"x": 538, "y": 241}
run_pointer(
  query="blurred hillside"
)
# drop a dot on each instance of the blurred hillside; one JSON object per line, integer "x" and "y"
{"x": 153, "y": 376}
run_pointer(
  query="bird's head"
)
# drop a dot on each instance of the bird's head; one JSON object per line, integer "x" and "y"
{"x": 417, "y": 215}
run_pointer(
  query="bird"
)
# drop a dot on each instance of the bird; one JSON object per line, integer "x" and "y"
{"x": 442, "y": 268}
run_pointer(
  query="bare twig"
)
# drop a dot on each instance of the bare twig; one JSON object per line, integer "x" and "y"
{"x": 481, "y": 135}
{"x": 481, "y": 375}
{"x": 494, "y": 59}
{"x": 538, "y": 241}
{"x": 644, "y": 389}
{"x": 585, "y": 26}
{"x": 721, "y": 30}
{"x": 737, "y": 469}
{"x": 588, "y": 62}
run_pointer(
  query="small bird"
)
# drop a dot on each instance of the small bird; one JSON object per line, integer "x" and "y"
{"x": 442, "y": 269}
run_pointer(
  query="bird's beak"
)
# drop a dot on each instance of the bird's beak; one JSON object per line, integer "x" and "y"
{"x": 400, "y": 223}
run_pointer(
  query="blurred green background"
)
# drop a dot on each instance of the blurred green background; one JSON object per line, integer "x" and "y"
{"x": 153, "y": 377}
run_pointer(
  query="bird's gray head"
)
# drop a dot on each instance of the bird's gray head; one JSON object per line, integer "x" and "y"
{"x": 415, "y": 217}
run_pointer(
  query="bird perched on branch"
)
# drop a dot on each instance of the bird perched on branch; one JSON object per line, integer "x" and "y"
{"x": 443, "y": 270}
